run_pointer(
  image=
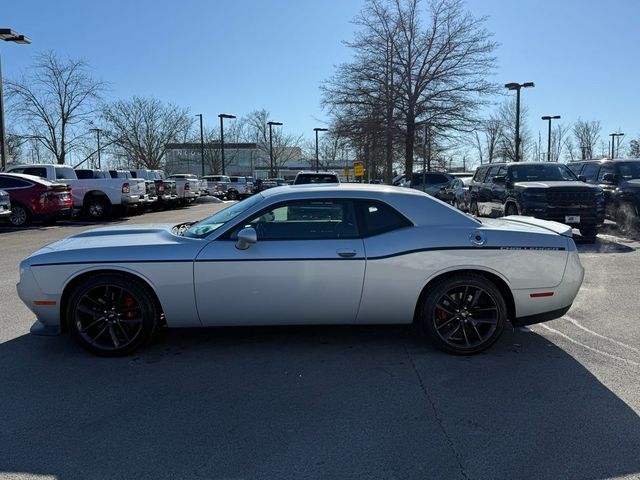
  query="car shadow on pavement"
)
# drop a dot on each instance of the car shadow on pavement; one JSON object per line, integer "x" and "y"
{"x": 604, "y": 244}
{"x": 309, "y": 402}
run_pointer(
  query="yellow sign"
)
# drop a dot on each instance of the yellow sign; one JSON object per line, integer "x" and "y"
{"x": 358, "y": 169}
{"x": 347, "y": 172}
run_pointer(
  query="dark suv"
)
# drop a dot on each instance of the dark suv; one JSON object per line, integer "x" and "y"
{"x": 549, "y": 191}
{"x": 620, "y": 181}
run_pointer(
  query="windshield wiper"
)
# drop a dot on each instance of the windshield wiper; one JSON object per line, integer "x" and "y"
{"x": 182, "y": 227}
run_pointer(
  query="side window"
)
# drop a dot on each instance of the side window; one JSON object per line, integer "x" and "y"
{"x": 604, "y": 170}
{"x": 380, "y": 218}
{"x": 436, "y": 179}
{"x": 37, "y": 171}
{"x": 83, "y": 174}
{"x": 493, "y": 171}
{"x": 575, "y": 168}
{"x": 8, "y": 183}
{"x": 306, "y": 220}
{"x": 480, "y": 174}
{"x": 590, "y": 171}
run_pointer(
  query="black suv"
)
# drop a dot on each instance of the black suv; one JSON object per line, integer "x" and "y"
{"x": 549, "y": 191}
{"x": 620, "y": 181}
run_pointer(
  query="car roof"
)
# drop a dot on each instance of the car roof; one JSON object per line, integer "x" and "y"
{"x": 311, "y": 172}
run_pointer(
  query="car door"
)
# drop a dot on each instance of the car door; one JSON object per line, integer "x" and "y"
{"x": 499, "y": 190}
{"x": 485, "y": 198}
{"x": 306, "y": 267}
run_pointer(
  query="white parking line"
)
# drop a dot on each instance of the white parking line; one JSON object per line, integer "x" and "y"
{"x": 596, "y": 334}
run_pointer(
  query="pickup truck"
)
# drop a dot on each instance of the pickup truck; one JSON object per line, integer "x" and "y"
{"x": 239, "y": 187}
{"x": 165, "y": 189}
{"x": 138, "y": 186}
{"x": 188, "y": 187}
{"x": 217, "y": 185}
{"x": 97, "y": 198}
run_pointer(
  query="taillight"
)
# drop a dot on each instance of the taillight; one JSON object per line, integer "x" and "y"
{"x": 186, "y": 186}
{"x": 125, "y": 187}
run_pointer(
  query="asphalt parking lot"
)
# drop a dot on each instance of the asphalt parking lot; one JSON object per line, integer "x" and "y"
{"x": 557, "y": 400}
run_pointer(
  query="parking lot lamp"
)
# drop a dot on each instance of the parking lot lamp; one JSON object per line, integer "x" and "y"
{"x": 517, "y": 87}
{"x": 222, "y": 117}
{"x": 201, "y": 143}
{"x": 614, "y": 149}
{"x": 98, "y": 131}
{"x": 549, "y": 118}
{"x": 271, "y": 124}
{"x": 317, "y": 129}
{"x": 7, "y": 35}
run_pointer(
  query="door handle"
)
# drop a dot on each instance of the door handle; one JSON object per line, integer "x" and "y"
{"x": 346, "y": 252}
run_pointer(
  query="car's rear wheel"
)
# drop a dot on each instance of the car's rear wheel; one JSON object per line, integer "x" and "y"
{"x": 20, "y": 216}
{"x": 112, "y": 315}
{"x": 97, "y": 207}
{"x": 463, "y": 314}
{"x": 232, "y": 195}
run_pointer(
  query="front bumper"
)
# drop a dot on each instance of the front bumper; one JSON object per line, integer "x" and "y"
{"x": 47, "y": 315}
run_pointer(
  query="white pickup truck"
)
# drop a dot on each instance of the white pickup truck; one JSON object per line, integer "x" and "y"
{"x": 96, "y": 197}
{"x": 188, "y": 187}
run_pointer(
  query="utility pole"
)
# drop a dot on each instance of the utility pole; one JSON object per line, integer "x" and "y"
{"x": 271, "y": 124}
{"x": 517, "y": 87}
{"x": 549, "y": 118}
{"x": 201, "y": 143}
{"x": 222, "y": 117}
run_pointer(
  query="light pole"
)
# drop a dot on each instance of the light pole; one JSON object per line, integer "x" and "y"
{"x": 222, "y": 117}
{"x": 614, "y": 148}
{"x": 549, "y": 118}
{"x": 201, "y": 143}
{"x": 271, "y": 124}
{"x": 318, "y": 129}
{"x": 7, "y": 35}
{"x": 98, "y": 131}
{"x": 517, "y": 87}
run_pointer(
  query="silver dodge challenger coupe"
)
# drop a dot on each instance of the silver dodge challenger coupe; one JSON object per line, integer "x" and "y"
{"x": 307, "y": 254}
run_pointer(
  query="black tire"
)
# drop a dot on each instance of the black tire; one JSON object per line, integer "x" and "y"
{"x": 97, "y": 207}
{"x": 511, "y": 209}
{"x": 112, "y": 315}
{"x": 589, "y": 233}
{"x": 473, "y": 208}
{"x": 462, "y": 314}
{"x": 20, "y": 215}
{"x": 232, "y": 195}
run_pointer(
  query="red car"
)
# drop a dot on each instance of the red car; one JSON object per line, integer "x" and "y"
{"x": 33, "y": 198}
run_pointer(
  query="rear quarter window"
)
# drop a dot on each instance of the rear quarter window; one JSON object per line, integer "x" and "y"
{"x": 378, "y": 218}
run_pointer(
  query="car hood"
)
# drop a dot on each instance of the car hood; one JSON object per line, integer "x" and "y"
{"x": 556, "y": 184}
{"x": 118, "y": 244}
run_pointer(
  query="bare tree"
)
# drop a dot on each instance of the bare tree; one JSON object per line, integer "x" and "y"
{"x": 507, "y": 139}
{"x": 286, "y": 147}
{"x": 586, "y": 134}
{"x": 433, "y": 71}
{"x": 634, "y": 148}
{"x": 558, "y": 143}
{"x": 55, "y": 100}
{"x": 141, "y": 128}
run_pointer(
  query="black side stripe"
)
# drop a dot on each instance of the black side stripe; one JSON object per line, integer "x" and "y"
{"x": 379, "y": 257}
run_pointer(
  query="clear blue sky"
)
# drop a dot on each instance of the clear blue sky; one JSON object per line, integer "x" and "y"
{"x": 235, "y": 56}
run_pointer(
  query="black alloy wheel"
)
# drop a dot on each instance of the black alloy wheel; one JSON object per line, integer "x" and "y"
{"x": 112, "y": 315}
{"x": 463, "y": 314}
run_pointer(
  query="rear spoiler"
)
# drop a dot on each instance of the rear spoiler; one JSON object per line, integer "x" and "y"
{"x": 556, "y": 227}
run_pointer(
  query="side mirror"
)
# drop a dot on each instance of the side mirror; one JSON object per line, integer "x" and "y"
{"x": 582, "y": 178}
{"x": 610, "y": 178}
{"x": 246, "y": 238}
{"x": 499, "y": 179}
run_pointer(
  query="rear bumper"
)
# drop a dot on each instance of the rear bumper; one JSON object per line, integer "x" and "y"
{"x": 130, "y": 200}
{"x": 62, "y": 214}
{"x": 540, "y": 317}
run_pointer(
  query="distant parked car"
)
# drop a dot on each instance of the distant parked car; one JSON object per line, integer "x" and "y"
{"x": 238, "y": 188}
{"x": 165, "y": 189}
{"x": 216, "y": 185}
{"x": 34, "y": 198}
{"x": 188, "y": 187}
{"x": 5, "y": 205}
{"x": 303, "y": 178}
{"x": 549, "y": 191}
{"x": 620, "y": 182}
{"x": 456, "y": 193}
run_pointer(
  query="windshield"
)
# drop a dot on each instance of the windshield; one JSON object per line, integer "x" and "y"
{"x": 541, "y": 172}
{"x": 215, "y": 221}
{"x": 630, "y": 170}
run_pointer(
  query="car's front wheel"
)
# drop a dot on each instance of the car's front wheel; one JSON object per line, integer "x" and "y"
{"x": 112, "y": 315}
{"x": 463, "y": 314}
